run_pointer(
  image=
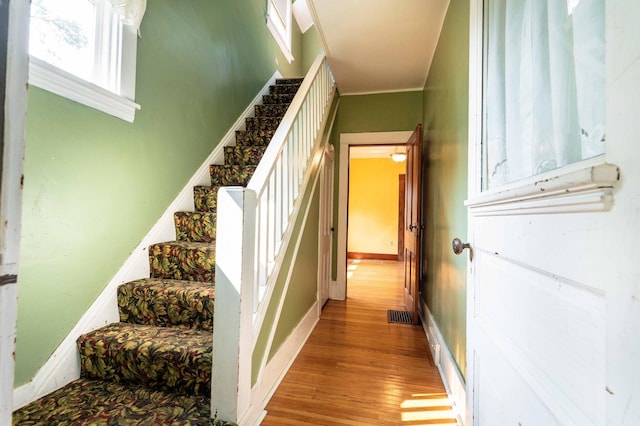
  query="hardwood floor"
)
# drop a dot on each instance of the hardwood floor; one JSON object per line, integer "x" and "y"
{"x": 357, "y": 369}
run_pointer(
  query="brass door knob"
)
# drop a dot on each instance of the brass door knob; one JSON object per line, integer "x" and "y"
{"x": 458, "y": 246}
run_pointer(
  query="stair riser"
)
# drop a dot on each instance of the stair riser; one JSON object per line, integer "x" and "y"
{"x": 170, "y": 261}
{"x": 283, "y": 89}
{"x": 229, "y": 175}
{"x": 205, "y": 198}
{"x": 167, "y": 303}
{"x": 264, "y": 124}
{"x": 243, "y": 155}
{"x": 254, "y": 137}
{"x": 278, "y": 98}
{"x": 273, "y": 110}
{"x": 197, "y": 227}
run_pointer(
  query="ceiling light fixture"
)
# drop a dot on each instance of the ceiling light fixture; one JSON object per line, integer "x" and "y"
{"x": 398, "y": 156}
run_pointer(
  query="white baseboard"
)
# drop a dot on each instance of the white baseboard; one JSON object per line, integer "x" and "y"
{"x": 277, "y": 368}
{"x": 453, "y": 381}
{"x": 64, "y": 364}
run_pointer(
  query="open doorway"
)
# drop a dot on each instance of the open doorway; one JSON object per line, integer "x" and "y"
{"x": 374, "y": 213}
{"x": 347, "y": 142}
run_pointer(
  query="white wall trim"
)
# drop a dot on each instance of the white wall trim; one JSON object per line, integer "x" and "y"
{"x": 453, "y": 381}
{"x": 278, "y": 367}
{"x": 339, "y": 286}
{"x": 64, "y": 365}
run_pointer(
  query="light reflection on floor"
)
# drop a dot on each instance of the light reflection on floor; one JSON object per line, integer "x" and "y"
{"x": 427, "y": 408}
{"x": 353, "y": 265}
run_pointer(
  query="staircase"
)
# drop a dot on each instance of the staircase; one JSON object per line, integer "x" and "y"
{"x": 154, "y": 366}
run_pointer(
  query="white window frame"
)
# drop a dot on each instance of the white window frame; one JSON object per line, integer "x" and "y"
{"x": 584, "y": 186}
{"x": 280, "y": 26}
{"x": 121, "y": 75}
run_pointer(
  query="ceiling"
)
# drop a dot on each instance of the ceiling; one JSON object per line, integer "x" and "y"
{"x": 378, "y": 46}
{"x": 375, "y": 151}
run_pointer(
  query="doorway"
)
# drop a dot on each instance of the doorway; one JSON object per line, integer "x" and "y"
{"x": 373, "y": 213}
{"x": 348, "y": 141}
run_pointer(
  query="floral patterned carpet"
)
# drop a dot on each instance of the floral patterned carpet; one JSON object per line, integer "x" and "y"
{"x": 154, "y": 367}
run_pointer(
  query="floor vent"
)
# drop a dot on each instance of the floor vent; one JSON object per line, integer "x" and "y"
{"x": 400, "y": 317}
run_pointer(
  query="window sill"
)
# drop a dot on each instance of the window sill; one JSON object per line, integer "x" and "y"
{"x": 55, "y": 80}
{"x": 587, "y": 186}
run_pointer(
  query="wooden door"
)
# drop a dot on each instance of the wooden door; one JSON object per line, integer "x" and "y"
{"x": 402, "y": 189}
{"x": 553, "y": 319}
{"x": 413, "y": 227}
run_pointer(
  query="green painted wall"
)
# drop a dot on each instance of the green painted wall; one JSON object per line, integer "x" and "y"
{"x": 311, "y": 46}
{"x": 94, "y": 184}
{"x": 303, "y": 289}
{"x": 386, "y": 112}
{"x": 445, "y": 121}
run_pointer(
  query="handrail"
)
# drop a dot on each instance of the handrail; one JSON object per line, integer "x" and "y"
{"x": 278, "y": 178}
{"x": 255, "y": 225}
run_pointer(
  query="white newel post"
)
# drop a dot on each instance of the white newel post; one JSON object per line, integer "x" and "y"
{"x": 233, "y": 317}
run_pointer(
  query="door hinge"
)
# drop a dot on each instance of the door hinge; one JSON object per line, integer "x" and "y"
{"x": 8, "y": 279}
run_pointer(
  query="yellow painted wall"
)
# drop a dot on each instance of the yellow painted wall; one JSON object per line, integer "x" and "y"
{"x": 373, "y": 205}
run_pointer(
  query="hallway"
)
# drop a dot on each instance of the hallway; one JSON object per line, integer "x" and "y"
{"x": 357, "y": 369}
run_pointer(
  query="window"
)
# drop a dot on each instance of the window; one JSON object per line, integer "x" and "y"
{"x": 544, "y": 87}
{"x": 82, "y": 50}
{"x": 279, "y": 23}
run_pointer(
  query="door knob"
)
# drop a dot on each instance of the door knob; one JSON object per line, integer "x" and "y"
{"x": 459, "y": 246}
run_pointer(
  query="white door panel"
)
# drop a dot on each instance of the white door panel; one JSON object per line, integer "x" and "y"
{"x": 546, "y": 242}
{"x": 549, "y": 329}
{"x": 505, "y": 398}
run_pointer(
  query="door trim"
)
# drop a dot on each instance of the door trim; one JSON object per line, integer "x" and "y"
{"x": 339, "y": 287}
{"x": 12, "y": 149}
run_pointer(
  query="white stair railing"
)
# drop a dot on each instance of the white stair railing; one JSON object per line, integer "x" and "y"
{"x": 276, "y": 183}
{"x": 254, "y": 226}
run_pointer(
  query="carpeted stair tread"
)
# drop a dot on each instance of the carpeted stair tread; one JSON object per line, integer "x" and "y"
{"x": 230, "y": 175}
{"x": 183, "y": 260}
{"x": 254, "y": 137}
{"x": 174, "y": 359}
{"x": 290, "y": 80}
{"x": 262, "y": 123}
{"x": 205, "y": 198}
{"x": 165, "y": 303}
{"x": 100, "y": 402}
{"x": 243, "y": 155}
{"x": 271, "y": 110}
{"x": 198, "y": 227}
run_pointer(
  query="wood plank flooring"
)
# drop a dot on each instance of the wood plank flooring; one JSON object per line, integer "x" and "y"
{"x": 357, "y": 369}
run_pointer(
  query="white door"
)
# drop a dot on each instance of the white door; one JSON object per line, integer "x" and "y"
{"x": 553, "y": 307}
{"x": 14, "y": 18}
{"x": 326, "y": 226}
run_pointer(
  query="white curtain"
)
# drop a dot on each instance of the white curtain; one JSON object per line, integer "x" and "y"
{"x": 130, "y": 11}
{"x": 544, "y": 86}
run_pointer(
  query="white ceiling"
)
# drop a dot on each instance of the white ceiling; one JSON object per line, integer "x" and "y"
{"x": 377, "y": 46}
